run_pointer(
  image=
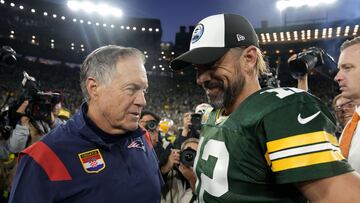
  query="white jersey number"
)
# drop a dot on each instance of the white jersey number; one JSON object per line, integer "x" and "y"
{"x": 283, "y": 92}
{"x": 218, "y": 185}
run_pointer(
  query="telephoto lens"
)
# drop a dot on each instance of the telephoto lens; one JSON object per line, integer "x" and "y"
{"x": 187, "y": 157}
{"x": 151, "y": 125}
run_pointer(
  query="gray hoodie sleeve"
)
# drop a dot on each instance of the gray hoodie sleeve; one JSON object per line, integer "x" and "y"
{"x": 18, "y": 138}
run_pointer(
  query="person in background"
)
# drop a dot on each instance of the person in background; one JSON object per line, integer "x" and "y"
{"x": 348, "y": 78}
{"x": 344, "y": 109}
{"x": 191, "y": 124}
{"x": 168, "y": 157}
{"x": 100, "y": 154}
{"x": 187, "y": 169}
{"x": 260, "y": 145}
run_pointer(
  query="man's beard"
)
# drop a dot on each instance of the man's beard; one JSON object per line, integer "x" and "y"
{"x": 228, "y": 95}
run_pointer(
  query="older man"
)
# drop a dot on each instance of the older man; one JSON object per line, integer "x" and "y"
{"x": 348, "y": 78}
{"x": 100, "y": 154}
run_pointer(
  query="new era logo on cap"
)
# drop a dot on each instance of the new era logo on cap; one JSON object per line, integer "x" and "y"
{"x": 240, "y": 37}
{"x": 213, "y": 37}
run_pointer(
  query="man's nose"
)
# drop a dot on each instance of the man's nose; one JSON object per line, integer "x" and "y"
{"x": 140, "y": 99}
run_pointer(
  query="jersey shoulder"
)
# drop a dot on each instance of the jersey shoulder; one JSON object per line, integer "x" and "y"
{"x": 269, "y": 100}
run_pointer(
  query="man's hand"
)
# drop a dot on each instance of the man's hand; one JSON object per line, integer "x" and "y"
{"x": 24, "y": 120}
{"x": 189, "y": 174}
{"x": 173, "y": 159}
{"x": 302, "y": 80}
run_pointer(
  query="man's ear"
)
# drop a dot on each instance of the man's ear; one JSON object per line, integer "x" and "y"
{"x": 92, "y": 87}
{"x": 250, "y": 59}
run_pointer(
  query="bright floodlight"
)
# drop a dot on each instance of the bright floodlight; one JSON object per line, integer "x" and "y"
{"x": 284, "y": 4}
{"x": 102, "y": 9}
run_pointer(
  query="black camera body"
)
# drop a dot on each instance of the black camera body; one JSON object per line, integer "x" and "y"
{"x": 195, "y": 121}
{"x": 187, "y": 157}
{"x": 269, "y": 80}
{"x": 7, "y": 56}
{"x": 40, "y": 103}
{"x": 5, "y": 125}
{"x": 306, "y": 60}
{"x": 151, "y": 125}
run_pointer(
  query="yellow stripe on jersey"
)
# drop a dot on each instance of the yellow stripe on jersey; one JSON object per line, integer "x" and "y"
{"x": 300, "y": 140}
{"x": 306, "y": 160}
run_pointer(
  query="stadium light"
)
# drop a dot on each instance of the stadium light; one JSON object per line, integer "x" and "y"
{"x": 284, "y": 4}
{"x": 101, "y": 8}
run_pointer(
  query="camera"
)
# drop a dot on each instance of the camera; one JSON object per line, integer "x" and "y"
{"x": 269, "y": 80}
{"x": 151, "y": 125}
{"x": 187, "y": 157}
{"x": 5, "y": 125}
{"x": 195, "y": 121}
{"x": 40, "y": 103}
{"x": 7, "y": 56}
{"x": 306, "y": 60}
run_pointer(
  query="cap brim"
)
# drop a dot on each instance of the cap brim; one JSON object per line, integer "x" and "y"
{"x": 201, "y": 55}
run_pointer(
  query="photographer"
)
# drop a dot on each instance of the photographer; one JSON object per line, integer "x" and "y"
{"x": 191, "y": 124}
{"x": 30, "y": 129}
{"x": 181, "y": 179}
{"x": 187, "y": 158}
{"x": 167, "y": 156}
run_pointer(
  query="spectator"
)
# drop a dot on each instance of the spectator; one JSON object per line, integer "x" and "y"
{"x": 344, "y": 109}
{"x": 348, "y": 78}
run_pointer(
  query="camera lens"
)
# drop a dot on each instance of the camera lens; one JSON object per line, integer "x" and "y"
{"x": 187, "y": 156}
{"x": 151, "y": 125}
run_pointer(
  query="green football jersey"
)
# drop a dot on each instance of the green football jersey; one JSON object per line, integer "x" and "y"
{"x": 275, "y": 138}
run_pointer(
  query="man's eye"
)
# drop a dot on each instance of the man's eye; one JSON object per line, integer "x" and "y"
{"x": 131, "y": 90}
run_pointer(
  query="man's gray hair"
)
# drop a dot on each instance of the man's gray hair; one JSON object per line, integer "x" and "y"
{"x": 349, "y": 43}
{"x": 101, "y": 64}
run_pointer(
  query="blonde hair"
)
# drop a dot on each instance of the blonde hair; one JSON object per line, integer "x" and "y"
{"x": 189, "y": 140}
{"x": 261, "y": 66}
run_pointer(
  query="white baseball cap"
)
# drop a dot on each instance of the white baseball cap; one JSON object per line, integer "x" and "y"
{"x": 213, "y": 37}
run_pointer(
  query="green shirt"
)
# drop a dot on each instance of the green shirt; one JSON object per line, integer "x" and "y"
{"x": 275, "y": 138}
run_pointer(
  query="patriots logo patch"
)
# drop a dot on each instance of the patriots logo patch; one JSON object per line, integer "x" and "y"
{"x": 92, "y": 161}
{"x": 137, "y": 143}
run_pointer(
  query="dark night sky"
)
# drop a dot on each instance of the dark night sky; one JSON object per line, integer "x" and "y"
{"x": 173, "y": 13}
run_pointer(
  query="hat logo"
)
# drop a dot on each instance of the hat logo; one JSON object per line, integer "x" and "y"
{"x": 198, "y": 32}
{"x": 240, "y": 37}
